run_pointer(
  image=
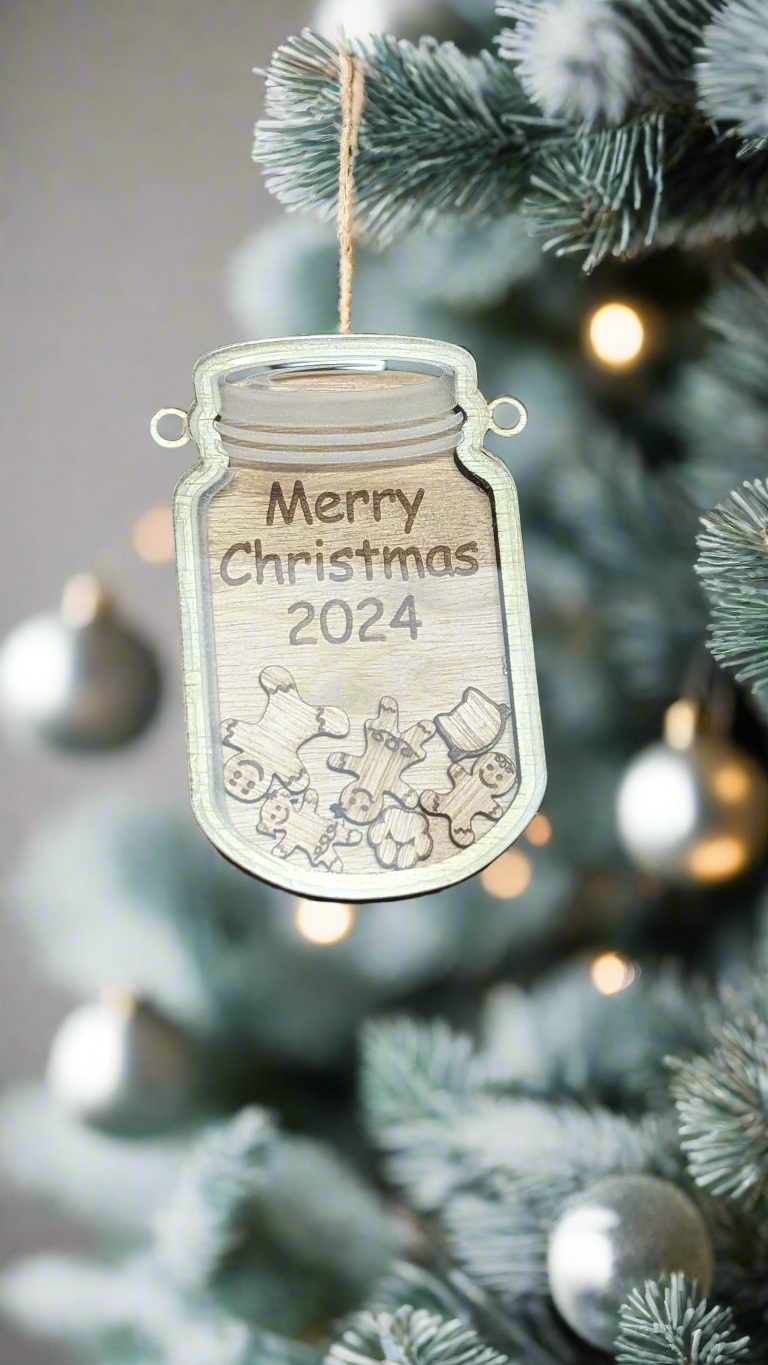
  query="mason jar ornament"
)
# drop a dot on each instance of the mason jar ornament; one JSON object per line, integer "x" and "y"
{"x": 361, "y": 700}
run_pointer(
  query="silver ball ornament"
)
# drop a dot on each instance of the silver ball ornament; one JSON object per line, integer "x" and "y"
{"x": 118, "y": 1065}
{"x": 693, "y": 811}
{"x": 618, "y": 1234}
{"x": 78, "y": 679}
{"x": 404, "y": 18}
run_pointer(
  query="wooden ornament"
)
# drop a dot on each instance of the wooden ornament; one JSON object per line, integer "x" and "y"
{"x": 350, "y": 567}
{"x": 474, "y": 792}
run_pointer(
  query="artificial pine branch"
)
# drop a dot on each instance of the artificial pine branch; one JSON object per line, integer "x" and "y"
{"x": 733, "y": 564}
{"x": 673, "y": 1325}
{"x": 601, "y": 194}
{"x": 732, "y": 70}
{"x": 740, "y": 1240}
{"x": 414, "y": 1070}
{"x": 445, "y": 136}
{"x": 251, "y": 1198}
{"x": 586, "y": 60}
{"x": 416, "y": 1084}
{"x": 738, "y": 315}
{"x": 618, "y": 516}
{"x": 419, "y": 1287}
{"x": 410, "y": 1336}
{"x": 657, "y": 180}
{"x": 499, "y": 1236}
{"x": 207, "y": 1215}
{"x": 721, "y": 400}
{"x": 565, "y": 1039}
{"x": 462, "y": 1150}
{"x": 540, "y": 1336}
{"x": 722, "y": 1105}
{"x": 442, "y": 134}
{"x": 498, "y": 1228}
{"x": 129, "y": 1314}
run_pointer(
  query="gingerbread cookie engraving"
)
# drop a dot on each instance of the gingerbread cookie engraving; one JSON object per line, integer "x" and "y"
{"x": 473, "y": 793}
{"x": 400, "y": 838}
{"x": 301, "y": 827}
{"x": 475, "y": 725}
{"x": 270, "y": 748}
{"x": 379, "y": 769}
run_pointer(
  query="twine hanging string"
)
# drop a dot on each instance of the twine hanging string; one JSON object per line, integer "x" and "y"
{"x": 352, "y": 96}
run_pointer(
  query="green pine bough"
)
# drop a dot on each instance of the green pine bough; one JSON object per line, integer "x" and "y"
{"x": 272, "y": 1251}
{"x": 602, "y": 165}
{"x": 733, "y": 565}
{"x": 613, "y": 127}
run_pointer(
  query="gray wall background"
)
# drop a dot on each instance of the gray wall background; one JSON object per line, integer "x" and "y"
{"x": 127, "y": 184}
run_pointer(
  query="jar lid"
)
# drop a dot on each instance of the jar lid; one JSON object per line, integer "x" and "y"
{"x": 358, "y": 414}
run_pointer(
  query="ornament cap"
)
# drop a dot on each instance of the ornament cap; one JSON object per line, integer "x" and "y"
{"x": 84, "y": 600}
{"x": 356, "y": 412}
{"x": 681, "y": 722}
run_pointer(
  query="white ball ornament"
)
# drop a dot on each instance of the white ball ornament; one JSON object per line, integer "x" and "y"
{"x": 78, "y": 679}
{"x": 117, "y": 1065}
{"x": 693, "y": 810}
{"x": 614, "y": 1237}
{"x": 403, "y": 18}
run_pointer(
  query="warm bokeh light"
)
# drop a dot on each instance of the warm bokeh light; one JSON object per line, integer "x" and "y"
{"x": 616, "y": 335}
{"x": 715, "y": 860}
{"x": 324, "y": 921}
{"x": 153, "y": 536}
{"x": 509, "y": 876}
{"x": 680, "y": 721}
{"x": 539, "y": 832}
{"x": 82, "y": 600}
{"x": 731, "y": 783}
{"x": 612, "y": 973}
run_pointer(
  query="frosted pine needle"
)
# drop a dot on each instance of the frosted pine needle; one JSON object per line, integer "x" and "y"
{"x": 411, "y": 1336}
{"x": 722, "y": 1106}
{"x": 576, "y": 58}
{"x": 733, "y": 564}
{"x": 673, "y": 1326}
{"x": 732, "y": 72}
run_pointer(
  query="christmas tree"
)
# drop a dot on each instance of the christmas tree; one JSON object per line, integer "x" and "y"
{"x": 413, "y": 1143}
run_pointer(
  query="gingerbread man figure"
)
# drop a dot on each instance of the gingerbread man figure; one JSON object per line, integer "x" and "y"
{"x": 473, "y": 793}
{"x": 301, "y": 827}
{"x": 270, "y": 748}
{"x": 379, "y": 769}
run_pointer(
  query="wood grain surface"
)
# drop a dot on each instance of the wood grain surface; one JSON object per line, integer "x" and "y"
{"x": 365, "y": 599}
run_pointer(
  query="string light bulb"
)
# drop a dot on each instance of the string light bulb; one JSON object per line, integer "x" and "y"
{"x": 719, "y": 859}
{"x": 153, "y": 536}
{"x": 508, "y": 876}
{"x": 324, "y": 921}
{"x": 610, "y": 973}
{"x": 539, "y": 832}
{"x": 617, "y": 335}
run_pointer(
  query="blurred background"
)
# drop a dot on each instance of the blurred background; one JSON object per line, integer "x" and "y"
{"x": 137, "y": 236}
{"x": 128, "y": 183}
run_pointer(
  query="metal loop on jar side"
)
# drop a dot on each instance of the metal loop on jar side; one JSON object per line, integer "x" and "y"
{"x": 522, "y": 416}
{"x": 168, "y": 442}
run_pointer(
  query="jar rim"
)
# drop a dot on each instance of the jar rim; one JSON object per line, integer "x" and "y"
{"x": 339, "y": 406}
